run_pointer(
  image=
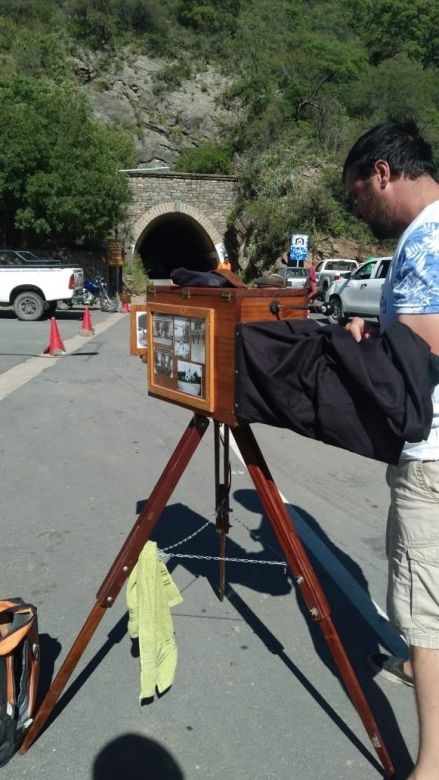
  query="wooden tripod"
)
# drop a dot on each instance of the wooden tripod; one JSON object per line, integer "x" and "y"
{"x": 290, "y": 543}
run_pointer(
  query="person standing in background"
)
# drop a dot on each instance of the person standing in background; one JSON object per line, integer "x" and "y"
{"x": 312, "y": 280}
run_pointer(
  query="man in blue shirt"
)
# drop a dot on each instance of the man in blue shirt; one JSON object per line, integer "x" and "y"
{"x": 390, "y": 176}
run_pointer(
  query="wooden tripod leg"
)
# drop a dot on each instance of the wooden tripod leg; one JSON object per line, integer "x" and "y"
{"x": 307, "y": 581}
{"x": 122, "y": 567}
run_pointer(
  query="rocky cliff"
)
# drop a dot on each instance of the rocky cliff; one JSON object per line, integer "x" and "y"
{"x": 170, "y": 108}
{"x": 167, "y": 112}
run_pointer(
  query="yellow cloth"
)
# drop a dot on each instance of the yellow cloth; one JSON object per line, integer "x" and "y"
{"x": 150, "y": 593}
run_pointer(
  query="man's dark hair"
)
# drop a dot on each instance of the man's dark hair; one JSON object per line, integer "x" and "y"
{"x": 399, "y": 143}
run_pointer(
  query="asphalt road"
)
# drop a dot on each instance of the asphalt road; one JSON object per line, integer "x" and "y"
{"x": 256, "y": 695}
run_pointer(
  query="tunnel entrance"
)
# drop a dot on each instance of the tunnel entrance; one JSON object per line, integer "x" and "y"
{"x": 175, "y": 240}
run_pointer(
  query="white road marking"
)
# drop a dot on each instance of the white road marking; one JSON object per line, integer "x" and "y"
{"x": 361, "y": 600}
{"x": 17, "y": 376}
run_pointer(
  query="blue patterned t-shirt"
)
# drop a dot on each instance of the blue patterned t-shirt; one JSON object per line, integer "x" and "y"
{"x": 412, "y": 287}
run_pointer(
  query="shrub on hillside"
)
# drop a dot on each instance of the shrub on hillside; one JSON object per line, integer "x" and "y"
{"x": 209, "y": 157}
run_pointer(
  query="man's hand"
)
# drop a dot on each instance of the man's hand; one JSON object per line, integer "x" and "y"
{"x": 361, "y": 329}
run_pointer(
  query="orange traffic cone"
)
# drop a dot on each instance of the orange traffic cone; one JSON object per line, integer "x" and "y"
{"x": 86, "y": 329}
{"x": 125, "y": 306}
{"x": 56, "y": 346}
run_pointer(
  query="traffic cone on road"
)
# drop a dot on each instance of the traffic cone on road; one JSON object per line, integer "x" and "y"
{"x": 56, "y": 346}
{"x": 86, "y": 329}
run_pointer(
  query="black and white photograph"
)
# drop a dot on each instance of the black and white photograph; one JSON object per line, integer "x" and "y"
{"x": 198, "y": 340}
{"x": 163, "y": 329}
{"x": 180, "y": 341}
{"x": 141, "y": 329}
{"x": 182, "y": 328}
{"x": 189, "y": 376}
{"x": 163, "y": 362}
{"x": 138, "y": 330}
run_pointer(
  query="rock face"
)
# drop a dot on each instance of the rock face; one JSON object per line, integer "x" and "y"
{"x": 167, "y": 114}
{"x": 146, "y": 95}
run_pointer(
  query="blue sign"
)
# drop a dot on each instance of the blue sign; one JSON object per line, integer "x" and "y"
{"x": 299, "y": 247}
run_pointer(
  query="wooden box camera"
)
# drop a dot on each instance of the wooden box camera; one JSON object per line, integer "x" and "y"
{"x": 191, "y": 341}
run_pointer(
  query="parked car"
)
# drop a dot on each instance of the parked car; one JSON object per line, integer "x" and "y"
{"x": 359, "y": 292}
{"x": 294, "y": 276}
{"x": 327, "y": 270}
{"x": 23, "y": 257}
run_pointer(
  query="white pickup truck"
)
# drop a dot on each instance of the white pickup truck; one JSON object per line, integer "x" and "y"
{"x": 360, "y": 292}
{"x": 328, "y": 270}
{"x": 33, "y": 286}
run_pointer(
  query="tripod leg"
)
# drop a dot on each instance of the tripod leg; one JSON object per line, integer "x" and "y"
{"x": 307, "y": 581}
{"x": 122, "y": 567}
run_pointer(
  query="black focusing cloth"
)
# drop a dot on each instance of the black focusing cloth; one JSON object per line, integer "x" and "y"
{"x": 368, "y": 397}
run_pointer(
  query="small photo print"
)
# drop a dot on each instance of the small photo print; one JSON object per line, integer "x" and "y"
{"x": 189, "y": 376}
{"x": 163, "y": 362}
{"x": 182, "y": 347}
{"x": 163, "y": 329}
{"x": 198, "y": 340}
{"x": 141, "y": 329}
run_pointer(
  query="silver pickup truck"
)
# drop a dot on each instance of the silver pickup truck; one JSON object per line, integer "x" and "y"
{"x": 328, "y": 270}
{"x": 359, "y": 292}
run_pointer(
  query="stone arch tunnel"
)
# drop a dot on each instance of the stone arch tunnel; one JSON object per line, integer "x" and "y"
{"x": 179, "y": 220}
{"x": 173, "y": 240}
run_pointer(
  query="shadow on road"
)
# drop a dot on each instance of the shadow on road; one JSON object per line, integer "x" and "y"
{"x": 361, "y": 630}
{"x": 65, "y": 314}
{"x": 137, "y": 758}
{"x": 177, "y": 522}
{"x": 356, "y": 633}
{"x": 115, "y": 636}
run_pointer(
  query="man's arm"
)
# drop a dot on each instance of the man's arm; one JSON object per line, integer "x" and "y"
{"x": 426, "y": 326}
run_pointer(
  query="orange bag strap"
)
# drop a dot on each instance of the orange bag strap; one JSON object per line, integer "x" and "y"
{"x": 15, "y": 623}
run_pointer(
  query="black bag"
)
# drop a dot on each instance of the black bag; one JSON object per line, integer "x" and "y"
{"x": 19, "y": 667}
{"x": 185, "y": 277}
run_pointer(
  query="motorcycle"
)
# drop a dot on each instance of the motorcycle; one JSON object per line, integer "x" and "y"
{"x": 93, "y": 290}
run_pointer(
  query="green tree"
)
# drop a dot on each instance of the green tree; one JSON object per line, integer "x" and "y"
{"x": 218, "y": 17}
{"x": 389, "y": 27}
{"x": 92, "y": 22}
{"x": 58, "y": 169}
{"x": 208, "y": 157}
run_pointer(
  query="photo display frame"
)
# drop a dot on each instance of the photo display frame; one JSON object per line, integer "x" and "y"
{"x": 180, "y": 350}
{"x": 138, "y": 329}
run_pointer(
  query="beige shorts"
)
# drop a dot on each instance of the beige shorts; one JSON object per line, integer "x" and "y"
{"x": 412, "y": 547}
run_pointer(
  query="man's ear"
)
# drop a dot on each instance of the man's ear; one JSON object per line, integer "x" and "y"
{"x": 382, "y": 169}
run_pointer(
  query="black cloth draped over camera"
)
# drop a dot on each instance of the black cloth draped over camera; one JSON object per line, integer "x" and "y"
{"x": 368, "y": 397}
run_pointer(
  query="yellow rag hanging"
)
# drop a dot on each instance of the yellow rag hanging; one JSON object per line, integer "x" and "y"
{"x": 150, "y": 594}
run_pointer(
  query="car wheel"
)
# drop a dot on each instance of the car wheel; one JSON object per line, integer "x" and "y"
{"x": 337, "y": 315}
{"x": 29, "y": 306}
{"x": 110, "y": 306}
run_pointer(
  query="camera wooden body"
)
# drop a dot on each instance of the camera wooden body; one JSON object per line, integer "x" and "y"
{"x": 192, "y": 337}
